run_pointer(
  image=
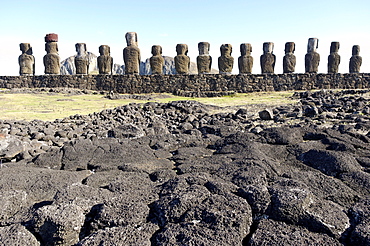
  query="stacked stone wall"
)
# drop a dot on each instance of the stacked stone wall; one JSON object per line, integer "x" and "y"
{"x": 133, "y": 84}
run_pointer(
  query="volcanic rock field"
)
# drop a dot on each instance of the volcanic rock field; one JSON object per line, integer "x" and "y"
{"x": 180, "y": 174}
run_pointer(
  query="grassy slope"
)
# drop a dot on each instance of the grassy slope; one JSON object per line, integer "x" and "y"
{"x": 45, "y": 106}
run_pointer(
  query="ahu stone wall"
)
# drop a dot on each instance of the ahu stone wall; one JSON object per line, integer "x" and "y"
{"x": 241, "y": 83}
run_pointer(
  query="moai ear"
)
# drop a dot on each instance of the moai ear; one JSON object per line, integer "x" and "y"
{"x": 30, "y": 51}
{"x": 108, "y": 48}
{"x": 251, "y": 48}
{"x": 293, "y": 47}
{"x": 136, "y": 40}
{"x": 85, "y": 47}
{"x": 317, "y": 44}
{"x": 160, "y": 50}
{"x": 186, "y": 49}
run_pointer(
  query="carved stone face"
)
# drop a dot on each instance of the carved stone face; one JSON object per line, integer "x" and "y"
{"x": 245, "y": 49}
{"x": 268, "y": 47}
{"x": 203, "y": 48}
{"x": 226, "y": 49}
{"x": 26, "y": 48}
{"x": 81, "y": 49}
{"x": 51, "y": 47}
{"x": 356, "y": 50}
{"x": 334, "y": 47}
{"x": 156, "y": 50}
{"x": 182, "y": 49}
{"x": 313, "y": 44}
{"x": 289, "y": 47}
{"x": 104, "y": 50}
{"x": 131, "y": 39}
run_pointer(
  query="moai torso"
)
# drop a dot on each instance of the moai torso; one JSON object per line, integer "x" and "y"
{"x": 26, "y": 60}
{"x": 333, "y": 58}
{"x": 225, "y": 61}
{"x": 157, "y": 60}
{"x": 268, "y": 59}
{"x": 81, "y": 60}
{"x": 105, "y": 61}
{"x": 204, "y": 60}
{"x": 312, "y": 58}
{"x": 51, "y": 59}
{"x": 289, "y": 59}
{"x": 245, "y": 61}
{"x": 182, "y": 61}
{"x": 131, "y": 54}
{"x": 356, "y": 60}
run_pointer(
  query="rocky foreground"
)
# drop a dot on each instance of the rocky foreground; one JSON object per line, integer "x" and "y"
{"x": 176, "y": 174}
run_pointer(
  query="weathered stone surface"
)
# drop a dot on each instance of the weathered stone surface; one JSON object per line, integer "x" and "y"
{"x": 51, "y": 59}
{"x": 245, "y": 61}
{"x": 312, "y": 58}
{"x": 225, "y": 61}
{"x": 157, "y": 60}
{"x": 81, "y": 62}
{"x": 26, "y": 60}
{"x": 68, "y": 65}
{"x": 333, "y": 58}
{"x": 17, "y": 234}
{"x": 268, "y": 59}
{"x": 55, "y": 225}
{"x": 270, "y": 232}
{"x": 356, "y": 60}
{"x": 105, "y": 61}
{"x": 289, "y": 59}
{"x": 131, "y": 54}
{"x": 204, "y": 60}
{"x": 266, "y": 114}
{"x": 182, "y": 60}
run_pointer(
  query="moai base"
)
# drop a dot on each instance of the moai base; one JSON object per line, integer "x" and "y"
{"x": 356, "y": 60}
{"x": 157, "y": 60}
{"x": 268, "y": 59}
{"x": 81, "y": 60}
{"x": 312, "y": 58}
{"x": 182, "y": 60}
{"x": 245, "y": 61}
{"x": 226, "y": 61}
{"x": 289, "y": 60}
{"x": 26, "y": 60}
{"x": 204, "y": 60}
{"x": 51, "y": 59}
{"x": 131, "y": 54}
{"x": 333, "y": 58}
{"x": 105, "y": 61}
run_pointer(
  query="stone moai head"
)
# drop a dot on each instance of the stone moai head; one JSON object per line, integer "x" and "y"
{"x": 268, "y": 47}
{"x": 156, "y": 50}
{"x": 26, "y": 48}
{"x": 334, "y": 47}
{"x": 356, "y": 50}
{"x": 81, "y": 49}
{"x": 51, "y": 45}
{"x": 313, "y": 44}
{"x": 104, "y": 50}
{"x": 289, "y": 47}
{"x": 131, "y": 39}
{"x": 245, "y": 49}
{"x": 182, "y": 49}
{"x": 203, "y": 48}
{"x": 226, "y": 49}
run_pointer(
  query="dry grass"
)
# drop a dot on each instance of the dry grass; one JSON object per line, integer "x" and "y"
{"x": 48, "y": 107}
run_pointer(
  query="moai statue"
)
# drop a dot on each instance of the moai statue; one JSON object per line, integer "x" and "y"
{"x": 131, "y": 54}
{"x": 51, "y": 59}
{"x": 26, "y": 60}
{"x": 182, "y": 60}
{"x": 356, "y": 60}
{"x": 289, "y": 59}
{"x": 312, "y": 58}
{"x": 333, "y": 58}
{"x": 268, "y": 59}
{"x": 226, "y": 61}
{"x": 245, "y": 61}
{"x": 105, "y": 61}
{"x": 157, "y": 60}
{"x": 204, "y": 60}
{"x": 81, "y": 60}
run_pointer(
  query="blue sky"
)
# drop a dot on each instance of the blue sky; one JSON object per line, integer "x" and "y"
{"x": 168, "y": 23}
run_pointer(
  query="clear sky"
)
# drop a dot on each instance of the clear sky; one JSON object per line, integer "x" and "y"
{"x": 168, "y": 23}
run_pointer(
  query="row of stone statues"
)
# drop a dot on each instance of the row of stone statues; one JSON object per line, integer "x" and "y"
{"x": 131, "y": 57}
